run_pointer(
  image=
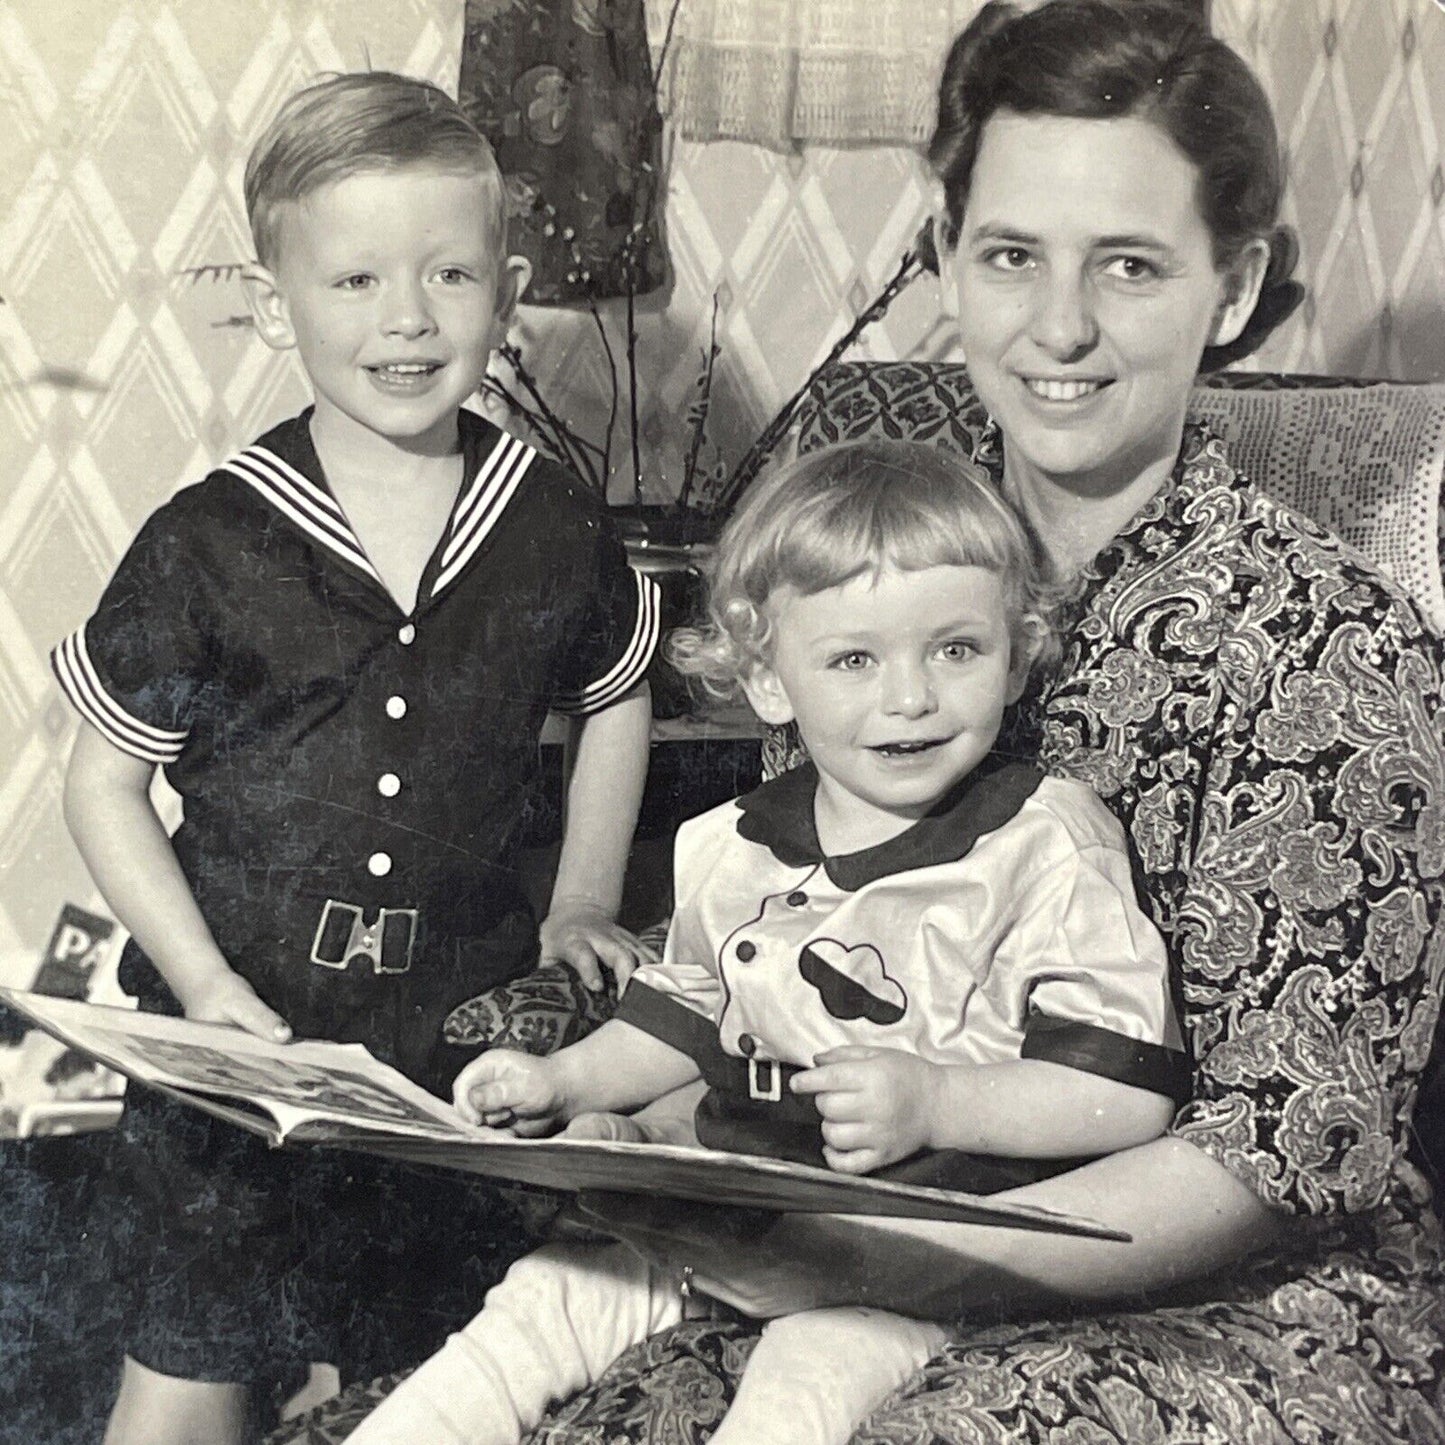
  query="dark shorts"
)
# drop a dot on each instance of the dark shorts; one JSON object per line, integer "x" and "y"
{"x": 241, "y": 1262}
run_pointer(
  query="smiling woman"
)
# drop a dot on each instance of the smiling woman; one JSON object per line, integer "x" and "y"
{"x": 1263, "y": 715}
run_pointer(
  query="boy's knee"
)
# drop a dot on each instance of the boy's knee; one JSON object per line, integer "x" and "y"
{"x": 156, "y": 1409}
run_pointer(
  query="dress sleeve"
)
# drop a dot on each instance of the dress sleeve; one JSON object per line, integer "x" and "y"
{"x": 1308, "y": 931}
{"x": 618, "y": 631}
{"x": 679, "y": 1000}
{"x": 132, "y": 669}
{"x": 1088, "y": 972}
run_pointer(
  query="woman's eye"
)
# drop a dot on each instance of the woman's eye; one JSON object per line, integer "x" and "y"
{"x": 1131, "y": 268}
{"x": 851, "y": 661}
{"x": 957, "y": 651}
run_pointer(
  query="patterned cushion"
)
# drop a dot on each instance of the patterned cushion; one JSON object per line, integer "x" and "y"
{"x": 1362, "y": 458}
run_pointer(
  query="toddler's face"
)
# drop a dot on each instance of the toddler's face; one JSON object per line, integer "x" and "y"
{"x": 898, "y": 684}
{"x": 389, "y": 286}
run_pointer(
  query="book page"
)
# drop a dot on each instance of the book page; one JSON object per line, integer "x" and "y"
{"x": 295, "y": 1084}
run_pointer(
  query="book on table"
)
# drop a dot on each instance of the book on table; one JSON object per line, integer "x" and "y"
{"x": 315, "y": 1093}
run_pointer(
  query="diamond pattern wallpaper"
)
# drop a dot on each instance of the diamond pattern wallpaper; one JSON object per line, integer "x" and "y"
{"x": 127, "y": 368}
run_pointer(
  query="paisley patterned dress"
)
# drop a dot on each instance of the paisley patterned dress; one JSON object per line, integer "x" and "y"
{"x": 1265, "y": 718}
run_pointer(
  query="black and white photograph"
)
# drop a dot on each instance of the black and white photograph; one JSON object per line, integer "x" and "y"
{"x": 724, "y": 721}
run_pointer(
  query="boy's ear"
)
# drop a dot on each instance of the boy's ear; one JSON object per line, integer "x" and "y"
{"x": 268, "y": 307}
{"x": 767, "y": 696}
{"x": 515, "y": 273}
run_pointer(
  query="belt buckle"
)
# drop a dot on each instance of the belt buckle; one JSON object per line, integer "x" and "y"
{"x": 364, "y": 938}
{"x": 378, "y": 962}
{"x": 770, "y": 1092}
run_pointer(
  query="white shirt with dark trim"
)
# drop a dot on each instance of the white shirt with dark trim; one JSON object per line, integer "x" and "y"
{"x": 1005, "y": 924}
{"x": 326, "y": 743}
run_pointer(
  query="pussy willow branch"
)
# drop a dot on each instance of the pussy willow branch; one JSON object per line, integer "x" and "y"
{"x": 699, "y": 416}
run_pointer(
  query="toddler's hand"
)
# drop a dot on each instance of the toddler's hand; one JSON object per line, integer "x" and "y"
{"x": 504, "y": 1089}
{"x": 578, "y": 932}
{"x": 613, "y": 1127}
{"x": 229, "y": 999}
{"x": 877, "y": 1105}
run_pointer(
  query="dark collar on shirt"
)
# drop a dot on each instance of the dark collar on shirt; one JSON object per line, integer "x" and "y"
{"x": 779, "y": 815}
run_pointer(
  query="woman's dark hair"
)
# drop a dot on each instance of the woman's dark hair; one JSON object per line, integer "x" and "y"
{"x": 1104, "y": 59}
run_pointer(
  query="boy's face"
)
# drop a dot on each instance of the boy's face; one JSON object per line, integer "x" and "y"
{"x": 898, "y": 685}
{"x": 389, "y": 286}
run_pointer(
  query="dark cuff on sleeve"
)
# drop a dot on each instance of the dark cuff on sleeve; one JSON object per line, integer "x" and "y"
{"x": 666, "y": 1019}
{"x": 1111, "y": 1055}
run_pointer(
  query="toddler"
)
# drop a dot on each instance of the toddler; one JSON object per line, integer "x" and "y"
{"x": 909, "y": 957}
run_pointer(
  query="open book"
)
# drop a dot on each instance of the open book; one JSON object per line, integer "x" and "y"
{"x": 338, "y": 1094}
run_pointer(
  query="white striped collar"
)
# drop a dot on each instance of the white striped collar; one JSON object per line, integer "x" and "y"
{"x": 481, "y": 504}
{"x": 311, "y": 507}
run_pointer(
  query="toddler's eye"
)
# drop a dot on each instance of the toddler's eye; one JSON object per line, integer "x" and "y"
{"x": 356, "y": 282}
{"x": 958, "y": 650}
{"x": 453, "y": 275}
{"x": 851, "y": 661}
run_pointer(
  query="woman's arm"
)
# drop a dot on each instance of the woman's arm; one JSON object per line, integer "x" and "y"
{"x": 109, "y": 813}
{"x": 1187, "y": 1215}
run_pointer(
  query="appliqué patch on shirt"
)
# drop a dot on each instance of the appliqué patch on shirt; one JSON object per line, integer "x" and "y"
{"x": 854, "y": 983}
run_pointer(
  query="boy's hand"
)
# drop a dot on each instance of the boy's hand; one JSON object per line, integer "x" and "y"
{"x": 877, "y": 1105}
{"x": 505, "y": 1089}
{"x": 229, "y": 999}
{"x": 578, "y": 932}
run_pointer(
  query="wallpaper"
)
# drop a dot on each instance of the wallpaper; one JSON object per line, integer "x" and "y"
{"x": 126, "y": 368}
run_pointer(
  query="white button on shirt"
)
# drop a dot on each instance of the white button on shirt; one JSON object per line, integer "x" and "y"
{"x": 396, "y": 707}
{"x": 406, "y": 635}
{"x": 388, "y": 785}
{"x": 379, "y": 865}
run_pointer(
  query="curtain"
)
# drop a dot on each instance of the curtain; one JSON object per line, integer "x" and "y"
{"x": 786, "y": 72}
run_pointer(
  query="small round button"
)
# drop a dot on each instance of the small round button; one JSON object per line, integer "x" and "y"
{"x": 747, "y": 951}
{"x": 379, "y": 865}
{"x": 406, "y": 634}
{"x": 748, "y": 1044}
{"x": 396, "y": 707}
{"x": 388, "y": 785}
{"x": 797, "y": 899}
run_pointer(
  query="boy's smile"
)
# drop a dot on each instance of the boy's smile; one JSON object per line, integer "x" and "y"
{"x": 898, "y": 683}
{"x": 389, "y": 285}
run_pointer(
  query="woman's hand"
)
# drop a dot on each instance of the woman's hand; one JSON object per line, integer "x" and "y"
{"x": 878, "y": 1105}
{"x": 581, "y": 933}
{"x": 505, "y": 1089}
{"x": 224, "y": 997}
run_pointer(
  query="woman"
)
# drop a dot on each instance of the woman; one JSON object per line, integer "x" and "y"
{"x": 1263, "y": 714}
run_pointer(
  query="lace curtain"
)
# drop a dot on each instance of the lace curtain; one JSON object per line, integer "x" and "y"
{"x": 785, "y": 72}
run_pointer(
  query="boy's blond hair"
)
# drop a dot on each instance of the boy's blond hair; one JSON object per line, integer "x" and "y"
{"x": 367, "y": 121}
{"x": 847, "y": 511}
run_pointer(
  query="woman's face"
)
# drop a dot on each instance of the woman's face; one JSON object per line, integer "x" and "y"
{"x": 1085, "y": 290}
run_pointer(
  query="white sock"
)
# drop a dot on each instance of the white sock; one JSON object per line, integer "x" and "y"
{"x": 553, "y": 1325}
{"x": 814, "y": 1377}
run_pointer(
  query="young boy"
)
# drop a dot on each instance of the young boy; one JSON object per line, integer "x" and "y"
{"x": 910, "y": 956}
{"x": 341, "y": 647}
